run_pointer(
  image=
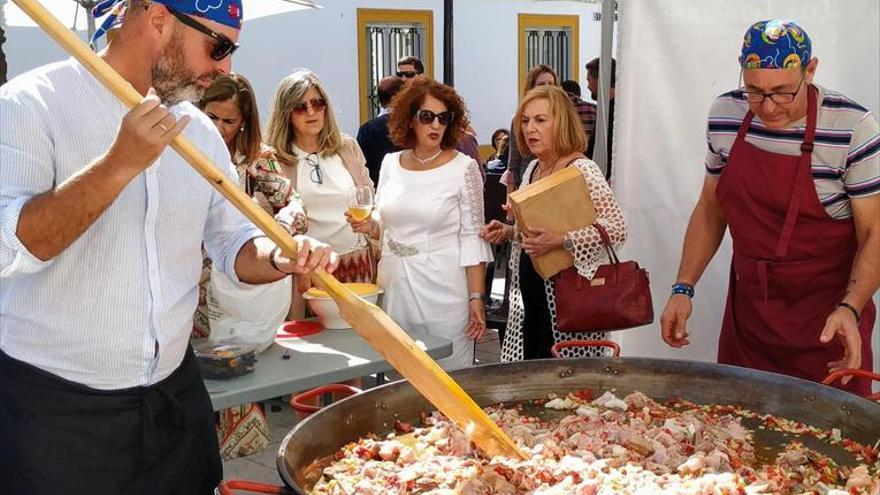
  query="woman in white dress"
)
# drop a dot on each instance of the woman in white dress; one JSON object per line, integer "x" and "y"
{"x": 550, "y": 128}
{"x": 429, "y": 212}
{"x": 307, "y": 173}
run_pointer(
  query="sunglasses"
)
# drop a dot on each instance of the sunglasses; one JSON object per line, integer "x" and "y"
{"x": 407, "y": 74}
{"x": 315, "y": 171}
{"x": 316, "y": 104}
{"x": 224, "y": 46}
{"x": 426, "y": 117}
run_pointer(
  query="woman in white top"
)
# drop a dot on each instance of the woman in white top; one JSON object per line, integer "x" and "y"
{"x": 307, "y": 173}
{"x": 550, "y": 129}
{"x": 429, "y": 212}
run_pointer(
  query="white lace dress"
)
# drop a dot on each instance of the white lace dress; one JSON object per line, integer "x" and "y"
{"x": 431, "y": 222}
{"x": 588, "y": 256}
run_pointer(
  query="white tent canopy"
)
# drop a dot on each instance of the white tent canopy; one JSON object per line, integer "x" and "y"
{"x": 72, "y": 14}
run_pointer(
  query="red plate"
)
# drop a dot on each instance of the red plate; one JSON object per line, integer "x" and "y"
{"x": 299, "y": 328}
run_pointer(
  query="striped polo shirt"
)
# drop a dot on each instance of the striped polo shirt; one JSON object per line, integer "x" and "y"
{"x": 846, "y": 154}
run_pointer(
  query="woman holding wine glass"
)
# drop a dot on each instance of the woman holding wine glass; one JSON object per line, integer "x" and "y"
{"x": 428, "y": 216}
{"x": 310, "y": 173}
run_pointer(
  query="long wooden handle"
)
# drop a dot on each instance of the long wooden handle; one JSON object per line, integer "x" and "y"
{"x": 368, "y": 320}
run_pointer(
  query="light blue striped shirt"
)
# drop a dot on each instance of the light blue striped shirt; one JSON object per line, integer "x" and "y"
{"x": 97, "y": 313}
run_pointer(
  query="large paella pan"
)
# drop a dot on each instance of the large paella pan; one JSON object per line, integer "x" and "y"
{"x": 312, "y": 445}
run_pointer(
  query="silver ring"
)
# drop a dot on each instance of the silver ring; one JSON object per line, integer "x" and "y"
{"x": 162, "y": 127}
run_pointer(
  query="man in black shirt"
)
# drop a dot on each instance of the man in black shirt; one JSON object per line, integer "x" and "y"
{"x": 593, "y": 84}
{"x": 373, "y": 135}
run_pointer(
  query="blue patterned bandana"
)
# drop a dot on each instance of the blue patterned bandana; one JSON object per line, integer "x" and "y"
{"x": 226, "y": 12}
{"x": 775, "y": 44}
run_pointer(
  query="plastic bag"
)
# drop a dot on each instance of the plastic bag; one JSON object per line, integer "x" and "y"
{"x": 246, "y": 314}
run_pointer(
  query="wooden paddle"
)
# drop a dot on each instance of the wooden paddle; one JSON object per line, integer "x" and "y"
{"x": 369, "y": 321}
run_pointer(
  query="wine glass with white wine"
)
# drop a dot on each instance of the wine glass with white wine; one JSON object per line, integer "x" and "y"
{"x": 360, "y": 206}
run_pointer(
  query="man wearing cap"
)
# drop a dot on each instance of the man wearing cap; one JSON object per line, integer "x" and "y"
{"x": 793, "y": 170}
{"x": 101, "y": 229}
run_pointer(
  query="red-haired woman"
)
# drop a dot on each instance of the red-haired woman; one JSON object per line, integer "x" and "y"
{"x": 429, "y": 212}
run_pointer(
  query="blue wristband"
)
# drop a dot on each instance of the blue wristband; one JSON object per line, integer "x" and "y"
{"x": 681, "y": 288}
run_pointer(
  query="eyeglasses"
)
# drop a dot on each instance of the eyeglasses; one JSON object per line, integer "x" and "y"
{"x": 408, "y": 74}
{"x": 779, "y": 98}
{"x": 224, "y": 46}
{"x": 315, "y": 172}
{"x": 316, "y": 104}
{"x": 427, "y": 117}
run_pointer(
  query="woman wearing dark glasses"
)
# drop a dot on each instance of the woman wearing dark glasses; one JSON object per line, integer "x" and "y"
{"x": 308, "y": 172}
{"x": 429, "y": 212}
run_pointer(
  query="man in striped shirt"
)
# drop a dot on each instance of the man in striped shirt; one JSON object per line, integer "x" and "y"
{"x": 101, "y": 234}
{"x": 793, "y": 169}
{"x": 585, "y": 110}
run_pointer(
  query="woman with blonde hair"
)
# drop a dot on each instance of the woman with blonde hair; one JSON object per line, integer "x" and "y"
{"x": 308, "y": 173}
{"x": 518, "y": 158}
{"x": 551, "y": 130}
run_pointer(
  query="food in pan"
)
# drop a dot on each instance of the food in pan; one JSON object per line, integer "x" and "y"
{"x": 584, "y": 446}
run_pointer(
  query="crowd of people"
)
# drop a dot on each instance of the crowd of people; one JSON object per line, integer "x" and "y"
{"x": 78, "y": 205}
{"x": 420, "y": 157}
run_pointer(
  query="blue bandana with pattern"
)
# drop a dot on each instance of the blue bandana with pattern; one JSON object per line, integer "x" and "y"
{"x": 775, "y": 44}
{"x": 226, "y": 12}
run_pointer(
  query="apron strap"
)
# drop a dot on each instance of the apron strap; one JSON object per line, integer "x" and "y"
{"x": 804, "y": 171}
{"x": 744, "y": 126}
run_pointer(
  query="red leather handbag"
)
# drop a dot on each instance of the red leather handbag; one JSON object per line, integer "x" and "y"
{"x": 618, "y": 296}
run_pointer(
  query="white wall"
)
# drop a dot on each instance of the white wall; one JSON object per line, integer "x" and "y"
{"x": 674, "y": 57}
{"x": 29, "y": 47}
{"x": 487, "y": 54}
{"x": 322, "y": 40}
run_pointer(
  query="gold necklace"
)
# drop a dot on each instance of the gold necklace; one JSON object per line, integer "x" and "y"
{"x": 541, "y": 174}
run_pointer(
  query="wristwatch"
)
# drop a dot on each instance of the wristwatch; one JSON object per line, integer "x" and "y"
{"x": 567, "y": 244}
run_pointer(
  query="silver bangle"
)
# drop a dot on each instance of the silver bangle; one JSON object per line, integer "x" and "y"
{"x": 475, "y": 295}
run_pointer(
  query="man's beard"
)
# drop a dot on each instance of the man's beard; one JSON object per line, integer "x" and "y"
{"x": 173, "y": 81}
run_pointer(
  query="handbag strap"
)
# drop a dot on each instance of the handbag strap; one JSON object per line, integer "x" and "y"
{"x": 606, "y": 242}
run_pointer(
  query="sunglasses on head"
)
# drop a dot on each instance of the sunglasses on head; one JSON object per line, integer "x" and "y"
{"x": 223, "y": 46}
{"x": 409, "y": 74}
{"x": 427, "y": 117}
{"x": 316, "y": 104}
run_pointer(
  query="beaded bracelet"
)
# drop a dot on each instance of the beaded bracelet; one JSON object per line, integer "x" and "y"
{"x": 682, "y": 288}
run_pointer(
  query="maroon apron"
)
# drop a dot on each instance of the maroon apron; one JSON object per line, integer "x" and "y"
{"x": 791, "y": 263}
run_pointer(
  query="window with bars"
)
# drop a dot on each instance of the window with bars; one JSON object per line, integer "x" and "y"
{"x": 551, "y": 40}
{"x": 552, "y": 47}
{"x": 386, "y": 43}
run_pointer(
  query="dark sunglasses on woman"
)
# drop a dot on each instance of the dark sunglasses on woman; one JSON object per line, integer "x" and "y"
{"x": 223, "y": 46}
{"x": 316, "y": 104}
{"x": 427, "y": 116}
